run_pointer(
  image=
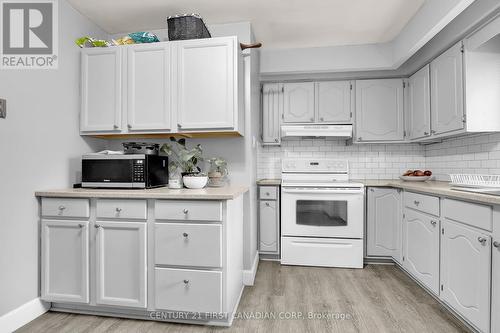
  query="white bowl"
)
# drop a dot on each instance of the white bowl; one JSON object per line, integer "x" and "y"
{"x": 195, "y": 182}
{"x": 414, "y": 178}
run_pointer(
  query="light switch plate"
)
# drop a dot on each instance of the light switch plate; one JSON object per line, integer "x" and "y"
{"x": 3, "y": 108}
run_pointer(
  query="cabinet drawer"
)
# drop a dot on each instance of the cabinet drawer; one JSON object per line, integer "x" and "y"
{"x": 188, "y": 210}
{"x": 424, "y": 203}
{"x": 188, "y": 290}
{"x": 479, "y": 216}
{"x": 268, "y": 192}
{"x": 186, "y": 244}
{"x": 121, "y": 209}
{"x": 65, "y": 207}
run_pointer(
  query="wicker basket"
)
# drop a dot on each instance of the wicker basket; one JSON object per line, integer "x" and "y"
{"x": 189, "y": 26}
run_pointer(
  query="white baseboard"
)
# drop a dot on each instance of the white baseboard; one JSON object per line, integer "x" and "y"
{"x": 19, "y": 317}
{"x": 249, "y": 275}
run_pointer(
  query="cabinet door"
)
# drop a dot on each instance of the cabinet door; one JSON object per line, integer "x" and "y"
{"x": 379, "y": 110}
{"x": 101, "y": 90}
{"x": 149, "y": 87}
{"x": 206, "y": 80}
{"x": 298, "y": 102}
{"x": 333, "y": 102}
{"x": 121, "y": 263}
{"x": 465, "y": 272}
{"x": 447, "y": 95}
{"x": 272, "y": 109}
{"x": 419, "y": 104}
{"x": 495, "y": 283}
{"x": 268, "y": 227}
{"x": 384, "y": 221}
{"x": 65, "y": 261}
{"x": 421, "y": 248}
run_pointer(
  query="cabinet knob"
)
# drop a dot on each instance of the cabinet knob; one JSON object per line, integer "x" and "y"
{"x": 62, "y": 207}
{"x": 267, "y": 204}
{"x": 97, "y": 226}
{"x": 276, "y": 140}
{"x": 426, "y": 133}
{"x": 312, "y": 119}
{"x": 118, "y": 209}
{"x": 496, "y": 244}
{"x": 416, "y": 202}
{"x": 185, "y": 211}
{"x": 115, "y": 126}
{"x": 322, "y": 119}
{"x": 433, "y": 131}
{"x": 482, "y": 240}
{"x": 80, "y": 225}
{"x": 360, "y": 139}
{"x": 186, "y": 281}
{"x": 433, "y": 223}
{"x": 179, "y": 125}
{"x": 129, "y": 126}
{"x": 185, "y": 235}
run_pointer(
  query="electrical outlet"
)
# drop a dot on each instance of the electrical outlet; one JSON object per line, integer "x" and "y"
{"x": 3, "y": 108}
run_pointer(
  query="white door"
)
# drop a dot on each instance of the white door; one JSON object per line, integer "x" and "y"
{"x": 121, "y": 263}
{"x": 495, "y": 283}
{"x": 465, "y": 272}
{"x": 272, "y": 109}
{"x": 149, "y": 87}
{"x": 101, "y": 90}
{"x": 385, "y": 220}
{"x": 298, "y": 102}
{"x": 333, "y": 102}
{"x": 419, "y": 104}
{"x": 268, "y": 227}
{"x": 379, "y": 110}
{"x": 421, "y": 248}
{"x": 65, "y": 261}
{"x": 447, "y": 95}
{"x": 206, "y": 79}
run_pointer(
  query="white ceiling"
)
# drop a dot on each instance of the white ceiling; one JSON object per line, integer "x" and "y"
{"x": 277, "y": 23}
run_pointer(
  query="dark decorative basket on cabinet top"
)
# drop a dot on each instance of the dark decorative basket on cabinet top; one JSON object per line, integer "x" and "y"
{"x": 188, "y": 26}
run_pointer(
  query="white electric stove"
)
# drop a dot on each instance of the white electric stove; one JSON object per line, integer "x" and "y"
{"x": 322, "y": 214}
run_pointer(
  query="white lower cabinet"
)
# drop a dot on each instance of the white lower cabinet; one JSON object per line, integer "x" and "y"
{"x": 121, "y": 263}
{"x": 465, "y": 272}
{"x": 495, "y": 281}
{"x": 65, "y": 261}
{"x": 269, "y": 220}
{"x": 421, "y": 248}
{"x": 188, "y": 290}
{"x": 384, "y": 223}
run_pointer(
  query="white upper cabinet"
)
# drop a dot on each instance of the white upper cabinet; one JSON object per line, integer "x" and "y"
{"x": 101, "y": 90}
{"x": 298, "y": 102}
{"x": 465, "y": 272}
{"x": 272, "y": 109}
{"x": 379, "y": 110}
{"x": 421, "y": 248}
{"x": 333, "y": 102}
{"x": 149, "y": 87}
{"x": 384, "y": 223}
{"x": 419, "y": 104}
{"x": 206, "y": 82}
{"x": 447, "y": 91}
{"x": 121, "y": 263}
{"x": 65, "y": 261}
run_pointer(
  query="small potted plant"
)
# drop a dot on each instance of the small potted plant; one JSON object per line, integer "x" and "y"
{"x": 218, "y": 172}
{"x": 187, "y": 159}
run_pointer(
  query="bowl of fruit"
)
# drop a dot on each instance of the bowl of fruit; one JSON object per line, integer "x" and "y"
{"x": 416, "y": 175}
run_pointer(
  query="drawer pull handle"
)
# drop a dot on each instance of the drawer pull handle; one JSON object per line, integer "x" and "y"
{"x": 97, "y": 226}
{"x": 268, "y": 193}
{"x": 185, "y": 235}
{"x": 80, "y": 225}
{"x": 267, "y": 204}
{"x": 118, "y": 209}
{"x": 482, "y": 240}
{"x": 416, "y": 202}
{"x": 185, "y": 211}
{"x": 62, "y": 207}
{"x": 433, "y": 223}
{"x": 496, "y": 244}
{"x": 186, "y": 281}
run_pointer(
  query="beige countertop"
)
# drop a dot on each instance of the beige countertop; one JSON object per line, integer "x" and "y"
{"x": 209, "y": 193}
{"x": 268, "y": 181}
{"x": 433, "y": 187}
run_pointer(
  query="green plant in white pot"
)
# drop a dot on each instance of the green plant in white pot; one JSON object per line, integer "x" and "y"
{"x": 218, "y": 172}
{"x": 187, "y": 159}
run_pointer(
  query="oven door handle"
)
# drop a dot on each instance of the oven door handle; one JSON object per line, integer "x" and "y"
{"x": 322, "y": 190}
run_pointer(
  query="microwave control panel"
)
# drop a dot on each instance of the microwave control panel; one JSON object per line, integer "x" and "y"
{"x": 139, "y": 171}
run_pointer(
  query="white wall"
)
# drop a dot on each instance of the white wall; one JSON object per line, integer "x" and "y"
{"x": 41, "y": 149}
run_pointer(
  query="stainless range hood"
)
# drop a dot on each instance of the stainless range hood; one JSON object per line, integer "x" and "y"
{"x": 340, "y": 131}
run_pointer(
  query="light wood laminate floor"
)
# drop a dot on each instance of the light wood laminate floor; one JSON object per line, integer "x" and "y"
{"x": 379, "y": 298}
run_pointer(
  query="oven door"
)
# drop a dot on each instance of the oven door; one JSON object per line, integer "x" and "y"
{"x": 322, "y": 212}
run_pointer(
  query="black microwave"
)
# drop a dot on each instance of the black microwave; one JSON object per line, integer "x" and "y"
{"x": 124, "y": 171}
